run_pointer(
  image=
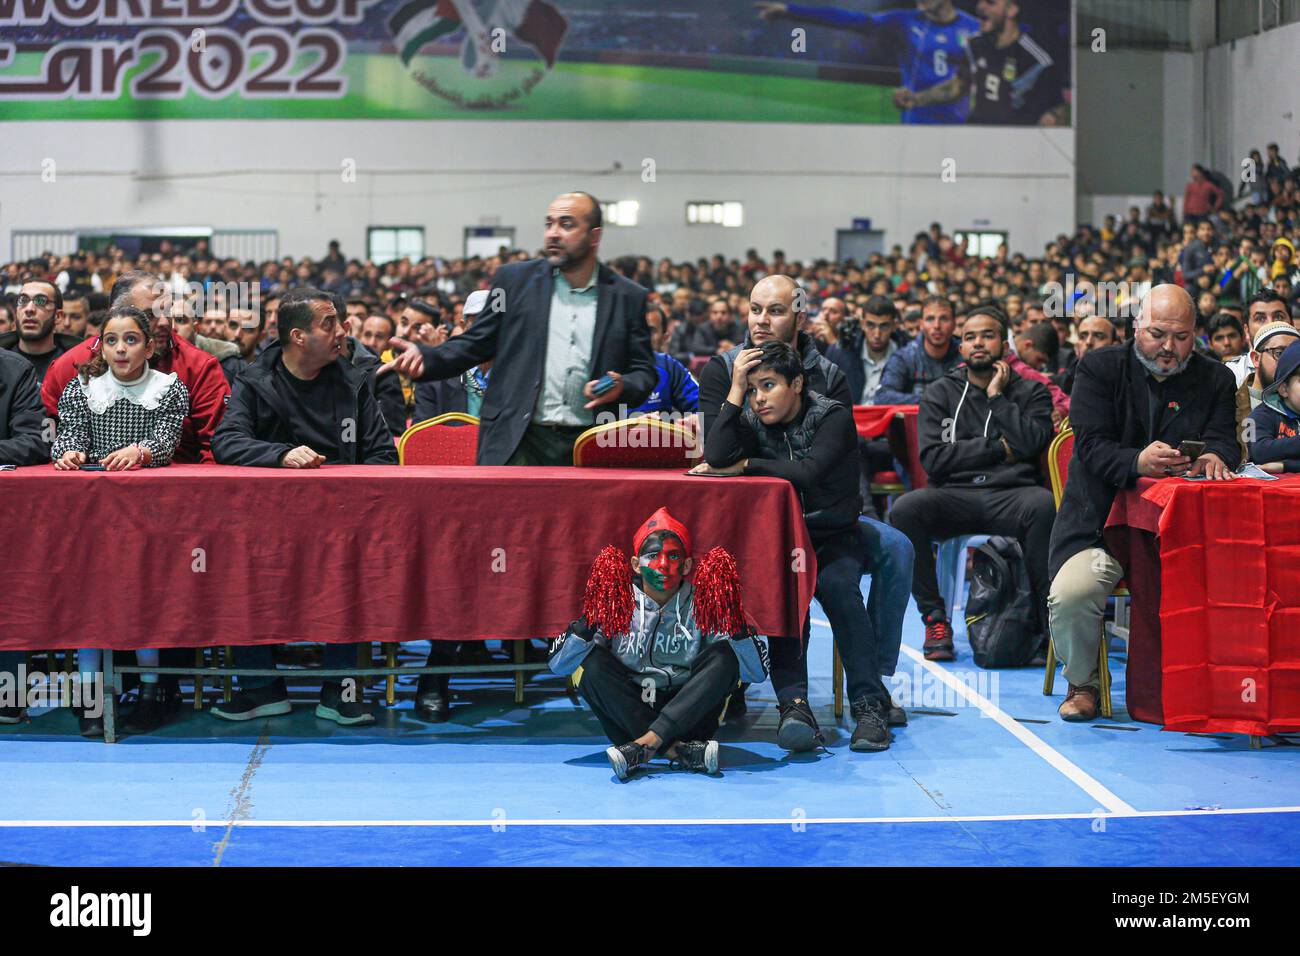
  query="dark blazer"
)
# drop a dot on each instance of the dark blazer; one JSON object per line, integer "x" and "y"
{"x": 438, "y": 398}
{"x": 1108, "y": 412}
{"x": 259, "y": 427}
{"x": 515, "y": 336}
{"x": 21, "y": 413}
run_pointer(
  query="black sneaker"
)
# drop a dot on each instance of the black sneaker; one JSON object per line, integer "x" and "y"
{"x": 798, "y": 731}
{"x": 151, "y": 711}
{"x": 12, "y": 715}
{"x": 333, "y": 707}
{"x": 627, "y": 757}
{"x": 897, "y": 716}
{"x": 699, "y": 756}
{"x": 736, "y": 706}
{"x": 90, "y": 727}
{"x": 269, "y": 701}
{"x": 433, "y": 698}
{"x": 872, "y": 733}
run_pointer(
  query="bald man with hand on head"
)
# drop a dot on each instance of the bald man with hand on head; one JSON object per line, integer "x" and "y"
{"x": 1131, "y": 408}
{"x": 777, "y": 309}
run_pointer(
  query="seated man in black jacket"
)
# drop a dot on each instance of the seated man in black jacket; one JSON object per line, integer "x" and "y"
{"x": 301, "y": 405}
{"x": 1132, "y": 406}
{"x": 981, "y": 430}
{"x": 21, "y": 417}
{"x": 770, "y": 426}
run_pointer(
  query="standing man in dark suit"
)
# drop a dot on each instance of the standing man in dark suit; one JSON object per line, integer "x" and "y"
{"x": 1132, "y": 406}
{"x": 553, "y": 329}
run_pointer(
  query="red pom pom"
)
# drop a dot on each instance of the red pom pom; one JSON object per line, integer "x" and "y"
{"x": 718, "y": 608}
{"x": 607, "y": 603}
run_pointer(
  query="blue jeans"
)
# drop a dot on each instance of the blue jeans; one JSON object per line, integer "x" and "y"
{"x": 868, "y": 637}
{"x": 889, "y": 562}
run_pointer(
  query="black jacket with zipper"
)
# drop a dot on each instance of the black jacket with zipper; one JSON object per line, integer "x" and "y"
{"x": 260, "y": 427}
{"x": 960, "y": 431}
{"x": 22, "y": 416}
{"x": 816, "y": 452}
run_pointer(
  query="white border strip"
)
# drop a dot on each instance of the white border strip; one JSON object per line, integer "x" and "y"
{"x": 780, "y": 821}
{"x": 1088, "y": 784}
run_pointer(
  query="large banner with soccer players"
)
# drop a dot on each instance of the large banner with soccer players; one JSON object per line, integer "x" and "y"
{"x": 988, "y": 62}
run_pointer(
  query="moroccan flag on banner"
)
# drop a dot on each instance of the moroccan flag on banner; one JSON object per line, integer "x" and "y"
{"x": 535, "y": 22}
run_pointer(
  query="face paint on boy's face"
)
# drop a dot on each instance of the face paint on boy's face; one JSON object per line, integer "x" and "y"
{"x": 661, "y": 564}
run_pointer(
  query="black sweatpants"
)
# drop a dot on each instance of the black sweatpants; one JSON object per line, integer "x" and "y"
{"x": 841, "y": 562}
{"x": 928, "y": 515}
{"x": 691, "y": 712}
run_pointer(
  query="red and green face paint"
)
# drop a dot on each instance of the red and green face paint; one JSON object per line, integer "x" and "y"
{"x": 661, "y": 561}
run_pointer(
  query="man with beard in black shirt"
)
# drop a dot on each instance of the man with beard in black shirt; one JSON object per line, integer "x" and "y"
{"x": 40, "y": 310}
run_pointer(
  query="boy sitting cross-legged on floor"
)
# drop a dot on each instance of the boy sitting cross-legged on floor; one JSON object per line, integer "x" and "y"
{"x": 660, "y": 654}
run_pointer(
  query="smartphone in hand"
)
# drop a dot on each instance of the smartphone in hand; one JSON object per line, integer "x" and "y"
{"x": 1191, "y": 449}
{"x": 603, "y": 385}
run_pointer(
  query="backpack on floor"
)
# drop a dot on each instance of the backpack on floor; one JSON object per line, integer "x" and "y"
{"x": 1001, "y": 620}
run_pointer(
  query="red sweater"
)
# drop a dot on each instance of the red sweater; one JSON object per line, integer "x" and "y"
{"x": 200, "y": 372}
{"x": 1060, "y": 401}
{"x": 1201, "y": 198}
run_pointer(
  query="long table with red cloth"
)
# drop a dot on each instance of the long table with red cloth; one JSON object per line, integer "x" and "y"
{"x": 201, "y": 555}
{"x": 1214, "y": 636}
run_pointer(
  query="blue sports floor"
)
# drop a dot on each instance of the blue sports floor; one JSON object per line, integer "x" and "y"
{"x": 984, "y": 774}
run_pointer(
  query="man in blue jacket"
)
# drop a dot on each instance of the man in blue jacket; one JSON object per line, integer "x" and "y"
{"x": 927, "y": 358}
{"x": 676, "y": 390}
{"x": 1272, "y": 431}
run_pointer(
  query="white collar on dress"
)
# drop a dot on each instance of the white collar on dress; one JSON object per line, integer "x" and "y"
{"x": 147, "y": 391}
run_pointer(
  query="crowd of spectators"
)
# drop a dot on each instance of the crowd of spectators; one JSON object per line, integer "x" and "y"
{"x": 991, "y": 348}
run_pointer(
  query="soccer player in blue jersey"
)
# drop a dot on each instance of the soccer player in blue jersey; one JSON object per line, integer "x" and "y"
{"x": 933, "y": 45}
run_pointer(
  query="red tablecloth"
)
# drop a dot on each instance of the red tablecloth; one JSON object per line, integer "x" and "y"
{"x": 1228, "y": 628}
{"x": 873, "y": 420}
{"x": 357, "y": 553}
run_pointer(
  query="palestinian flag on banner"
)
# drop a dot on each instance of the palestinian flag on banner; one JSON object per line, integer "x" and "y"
{"x": 535, "y": 22}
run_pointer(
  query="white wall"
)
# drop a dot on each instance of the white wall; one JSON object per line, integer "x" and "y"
{"x": 799, "y": 183}
{"x": 1256, "y": 80}
{"x": 1141, "y": 121}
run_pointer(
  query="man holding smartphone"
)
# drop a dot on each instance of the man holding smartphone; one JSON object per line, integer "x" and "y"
{"x": 1153, "y": 408}
{"x": 566, "y": 335}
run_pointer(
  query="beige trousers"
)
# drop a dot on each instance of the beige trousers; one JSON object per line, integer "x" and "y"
{"x": 1076, "y": 606}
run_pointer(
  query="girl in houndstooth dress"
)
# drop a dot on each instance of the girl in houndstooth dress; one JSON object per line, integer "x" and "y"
{"x": 125, "y": 415}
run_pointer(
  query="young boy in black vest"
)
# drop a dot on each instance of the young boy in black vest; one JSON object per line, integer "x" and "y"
{"x": 771, "y": 426}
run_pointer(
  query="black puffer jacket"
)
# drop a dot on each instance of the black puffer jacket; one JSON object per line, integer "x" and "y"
{"x": 816, "y": 452}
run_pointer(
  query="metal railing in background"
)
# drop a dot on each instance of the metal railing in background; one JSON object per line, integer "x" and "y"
{"x": 1243, "y": 18}
{"x": 1167, "y": 24}
{"x": 256, "y": 245}
{"x": 1136, "y": 24}
{"x": 25, "y": 244}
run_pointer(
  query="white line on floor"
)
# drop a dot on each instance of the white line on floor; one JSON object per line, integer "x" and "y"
{"x": 1091, "y": 786}
{"x": 760, "y": 821}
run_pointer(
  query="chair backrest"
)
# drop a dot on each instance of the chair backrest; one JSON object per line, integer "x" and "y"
{"x": 637, "y": 443}
{"x": 450, "y": 439}
{"x": 915, "y": 472}
{"x": 1058, "y": 462}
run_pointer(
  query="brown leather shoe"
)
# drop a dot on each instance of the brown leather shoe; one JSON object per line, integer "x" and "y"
{"x": 1079, "y": 704}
